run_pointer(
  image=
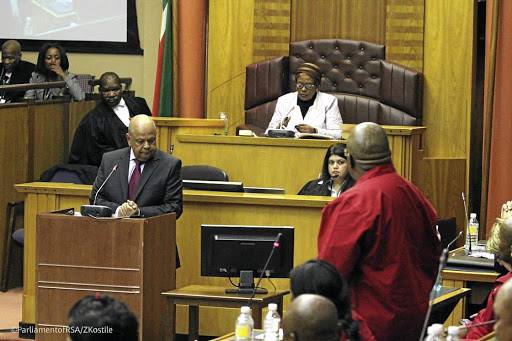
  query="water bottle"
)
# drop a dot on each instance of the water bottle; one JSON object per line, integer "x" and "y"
{"x": 224, "y": 116}
{"x": 453, "y": 334}
{"x": 435, "y": 333}
{"x": 472, "y": 233}
{"x": 244, "y": 325}
{"x": 272, "y": 323}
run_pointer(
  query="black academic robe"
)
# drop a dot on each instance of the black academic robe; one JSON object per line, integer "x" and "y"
{"x": 101, "y": 131}
{"x": 321, "y": 188}
{"x": 20, "y": 75}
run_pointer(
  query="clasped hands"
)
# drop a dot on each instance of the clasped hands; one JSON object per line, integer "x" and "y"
{"x": 128, "y": 209}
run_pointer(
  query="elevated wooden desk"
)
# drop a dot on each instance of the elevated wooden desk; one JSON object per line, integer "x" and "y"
{"x": 279, "y": 162}
{"x": 199, "y": 295}
{"x": 301, "y": 212}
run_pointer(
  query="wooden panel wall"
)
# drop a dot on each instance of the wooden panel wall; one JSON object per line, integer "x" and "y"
{"x": 448, "y": 67}
{"x": 345, "y": 19}
{"x": 229, "y": 51}
{"x": 271, "y": 29}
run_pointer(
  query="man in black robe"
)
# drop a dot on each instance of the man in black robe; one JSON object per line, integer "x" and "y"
{"x": 104, "y": 128}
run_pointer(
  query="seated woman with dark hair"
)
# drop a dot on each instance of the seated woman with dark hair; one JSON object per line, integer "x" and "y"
{"x": 319, "y": 277}
{"x": 52, "y": 66}
{"x": 335, "y": 178}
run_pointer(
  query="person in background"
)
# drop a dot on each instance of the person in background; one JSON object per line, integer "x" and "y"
{"x": 335, "y": 178}
{"x": 307, "y": 110}
{"x": 310, "y": 317}
{"x": 503, "y": 309}
{"x": 102, "y": 318}
{"x": 104, "y": 128}
{"x": 13, "y": 71}
{"x": 52, "y": 66}
{"x": 380, "y": 234}
{"x": 504, "y": 256}
{"x": 320, "y": 277}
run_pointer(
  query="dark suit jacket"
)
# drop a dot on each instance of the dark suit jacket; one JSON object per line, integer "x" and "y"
{"x": 159, "y": 188}
{"x": 20, "y": 75}
{"x": 101, "y": 131}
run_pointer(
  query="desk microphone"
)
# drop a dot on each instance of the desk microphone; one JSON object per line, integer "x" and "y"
{"x": 103, "y": 184}
{"x": 274, "y": 246}
{"x": 466, "y": 217}
{"x": 98, "y": 210}
{"x": 436, "y": 289}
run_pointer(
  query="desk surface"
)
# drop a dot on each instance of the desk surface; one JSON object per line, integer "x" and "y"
{"x": 205, "y": 292}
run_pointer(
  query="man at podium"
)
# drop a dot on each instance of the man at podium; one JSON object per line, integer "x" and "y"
{"x": 140, "y": 179}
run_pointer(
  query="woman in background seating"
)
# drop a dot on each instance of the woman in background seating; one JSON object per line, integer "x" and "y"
{"x": 307, "y": 110}
{"x": 320, "y": 277}
{"x": 52, "y": 66}
{"x": 335, "y": 178}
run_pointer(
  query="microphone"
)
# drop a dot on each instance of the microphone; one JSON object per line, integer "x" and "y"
{"x": 103, "y": 184}
{"x": 436, "y": 289}
{"x": 264, "y": 291}
{"x": 98, "y": 210}
{"x": 466, "y": 216}
{"x": 286, "y": 119}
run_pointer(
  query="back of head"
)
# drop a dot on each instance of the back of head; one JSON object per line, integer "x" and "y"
{"x": 105, "y": 318}
{"x": 320, "y": 277}
{"x": 368, "y": 146}
{"x": 311, "y": 317}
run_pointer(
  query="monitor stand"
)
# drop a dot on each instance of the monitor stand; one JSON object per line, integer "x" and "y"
{"x": 246, "y": 285}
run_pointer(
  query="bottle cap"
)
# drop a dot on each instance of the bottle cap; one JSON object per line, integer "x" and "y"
{"x": 245, "y": 310}
{"x": 272, "y": 306}
{"x": 472, "y": 215}
{"x": 453, "y": 330}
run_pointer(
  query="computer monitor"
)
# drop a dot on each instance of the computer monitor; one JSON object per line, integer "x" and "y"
{"x": 241, "y": 250}
{"x": 206, "y": 185}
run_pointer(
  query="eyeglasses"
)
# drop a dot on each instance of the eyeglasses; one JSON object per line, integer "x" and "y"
{"x": 340, "y": 162}
{"x": 308, "y": 86}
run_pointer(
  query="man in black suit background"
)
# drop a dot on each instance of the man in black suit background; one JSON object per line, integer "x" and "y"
{"x": 158, "y": 189}
{"x": 103, "y": 129}
{"x": 13, "y": 70}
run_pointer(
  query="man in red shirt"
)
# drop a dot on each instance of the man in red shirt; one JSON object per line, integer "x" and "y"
{"x": 381, "y": 236}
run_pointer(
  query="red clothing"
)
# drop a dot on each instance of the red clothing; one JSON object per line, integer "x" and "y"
{"x": 486, "y": 314}
{"x": 381, "y": 236}
{"x": 364, "y": 331}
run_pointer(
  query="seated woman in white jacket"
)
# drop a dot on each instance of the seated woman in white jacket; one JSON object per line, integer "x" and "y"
{"x": 307, "y": 110}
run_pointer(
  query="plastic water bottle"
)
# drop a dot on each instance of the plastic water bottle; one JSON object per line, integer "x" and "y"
{"x": 453, "y": 334}
{"x": 244, "y": 325}
{"x": 472, "y": 233}
{"x": 272, "y": 323}
{"x": 435, "y": 333}
{"x": 224, "y": 116}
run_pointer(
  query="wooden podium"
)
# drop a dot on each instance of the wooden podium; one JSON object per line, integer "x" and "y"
{"x": 132, "y": 260}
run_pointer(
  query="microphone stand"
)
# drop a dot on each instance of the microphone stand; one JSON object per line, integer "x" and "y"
{"x": 276, "y": 244}
{"x": 436, "y": 289}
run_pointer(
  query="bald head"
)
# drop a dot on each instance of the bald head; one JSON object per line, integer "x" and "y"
{"x": 141, "y": 137}
{"x": 13, "y": 45}
{"x": 311, "y": 317}
{"x": 11, "y": 54}
{"x": 368, "y": 146}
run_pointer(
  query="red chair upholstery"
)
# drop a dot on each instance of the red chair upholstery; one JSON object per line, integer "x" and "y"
{"x": 368, "y": 87}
